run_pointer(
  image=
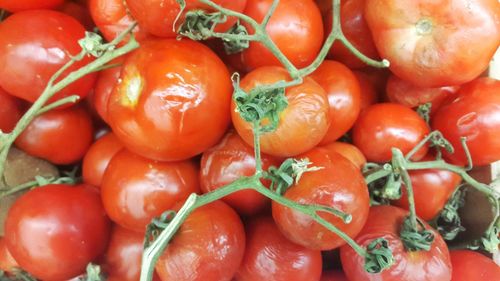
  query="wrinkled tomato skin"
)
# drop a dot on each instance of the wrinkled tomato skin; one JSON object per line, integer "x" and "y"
{"x": 295, "y": 27}
{"x": 339, "y": 184}
{"x": 54, "y": 231}
{"x": 384, "y": 126}
{"x": 209, "y": 246}
{"x": 473, "y": 114}
{"x": 349, "y": 151}
{"x": 270, "y": 256}
{"x": 10, "y": 112}
{"x": 7, "y": 262}
{"x": 385, "y": 222}
{"x": 34, "y": 45}
{"x": 104, "y": 86}
{"x": 135, "y": 189}
{"x": 333, "y": 275}
{"x": 428, "y": 42}
{"x": 303, "y": 123}
{"x": 469, "y": 265}
{"x": 22, "y": 5}
{"x": 170, "y": 105}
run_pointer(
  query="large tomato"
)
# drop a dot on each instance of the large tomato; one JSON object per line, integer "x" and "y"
{"x": 469, "y": 265}
{"x": 435, "y": 43}
{"x": 169, "y": 104}
{"x": 21, "y": 5}
{"x": 10, "y": 112}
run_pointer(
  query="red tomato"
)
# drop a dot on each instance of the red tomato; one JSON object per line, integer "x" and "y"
{"x": 385, "y": 222}
{"x": 344, "y": 97}
{"x": 339, "y": 184}
{"x": 469, "y": 265}
{"x": 135, "y": 189}
{"x": 383, "y": 126}
{"x": 349, "y": 151}
{"x": 170, "y": 105}
{"x": 80, "y": 12}
{"x": 21, "y": 5}
{"x": 473, "y": 114}
{"x": 428, "y": 42}
{"x": 54, "y": 231}
{"x": 34, "y": 45}
{"x": 59, "y": 136}
{"x": 7, "y": 262}
{"x": 324, "y": 6}
{"x": 105, "y": 84}
{"x": 369, "y": 94}
{"x": 270, "y": 256}
{"x": 295, "y": 27}
{"x": 333, "y": 275}
{"x": 10, "y": 112}
{"x": 209, "y": 246}
{"x": 303, "y": 123}
{"x": 231, "y": 159}
{"x": 97, "y": 158}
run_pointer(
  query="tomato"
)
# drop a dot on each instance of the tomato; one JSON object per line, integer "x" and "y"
{"x": 80, "y": 12}
{"x": 333, "y": 275}
{"x": 385, "y": 222}
{"x": 384, "y": 126}
{"x": 135, "y": 189}
{"x": 303, "y": 123}
{"x": 21, "y": 5}
{"x": 473, "y": 114}
{"x": 295, "y": 27}
{"x": 429, "y": 43}
{"x": 209, "y": 246}
{"x": 270, "y": 256}
{"x": 324, "y": 6}
{"x": 224, "y": 163}
{"x": 54, "y": 231}
{"x": 369, "y": 94}
{"x": 10, "y": 112}
{"x": 349, "y": 151}
{"x": 34, "y": 45}
{"x": 170, "y": 105}
{"x": 104, "y": 85}
{"x": 339, "y": 184}
{"x": 59, "y": 136}
{"x": 7, "y": 262}
{"x": 344, "y": 97}
{"x": 97, "y": 158}
{"x": 158, "y": 16}
{"x": 469, "y": 265}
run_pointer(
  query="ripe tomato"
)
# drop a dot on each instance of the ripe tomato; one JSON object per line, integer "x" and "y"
{"x": 472, "y": 114}
{"x": 333, "y": 275}
{"x": 385, "y": 222}
{"x": 54, "y": 231}
{"x": 10, "y": 112}
{"x": 339, "y": 184}
{"x": 170, "y": 105}
{"x": 135, "y": 189}
{"x": 224, "y": 163}
{"x": 59, "y": 136}
{"x": 104, "y": 85}
{"x": 209, "y": 246}
{"x": 428, "y": 42}
{"x": 344, "y": 97}
{"x": 369, "y": 94}
{"x": 469, "y": 265}
{"x": 270, "y": 256}
{"x": 7, "y": 262}
{"x": 383, "y": 126}
{"x": 34, "y": 45}
{"x": 349, "y": 151}
{"x": 21, "y": 5}
{"x": 295, "y": 27}
{"x": 303, "y": 123}
{"x": 80, "y": 12}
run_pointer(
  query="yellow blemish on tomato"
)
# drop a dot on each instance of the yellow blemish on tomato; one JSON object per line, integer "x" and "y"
{"x": 131, "y": 88}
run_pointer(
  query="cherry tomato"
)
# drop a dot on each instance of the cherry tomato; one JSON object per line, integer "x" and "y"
{"x": 295, "y": 27}
{"x": 303, "y": 123}
{"x": 7, "y": 262}
{"x": 469, "y": 265}
{"x": 369, "y": 94}
{"x": 21, "y": 5}
{"x": 385, "y": 222}
{"x": 383, "y": 126}
{"x": 339, "y": 184}
{"x": 209, "y": 246}
{"x": 10, "y": 112}
{"x": 429, "y": 43}
{"x": 34, "y": 45}
{"x": 59, "y": 136}
{"x": 473, "y": 114}
{"x": 170, "y": 105}
{"x": 54, "y": 231}
{"x": 333, "y": 275}
{"x": 78, "y": 11}
{"x": 344, "y": 97}
{"x": 270, "y": 256}
{"x": 349, "y": 151}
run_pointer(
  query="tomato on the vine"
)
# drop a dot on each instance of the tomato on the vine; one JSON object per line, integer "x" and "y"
{"x": 469, "y": 265}
{"x": 97, "y": 158}
{"x": 10, "y": 112}
{"x": 349, "y": 151}
{"x": 21, "y": 5}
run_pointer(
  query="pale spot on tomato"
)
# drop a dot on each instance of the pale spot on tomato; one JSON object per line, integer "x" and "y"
{"x": 132, "y": 89}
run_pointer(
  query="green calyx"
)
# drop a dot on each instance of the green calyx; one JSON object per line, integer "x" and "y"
{"x": 288, "y": 173}
{"x": 93, "y": 273}
{"x": 424, "y": 110}
{"x": 157, "y": 225}
{"x": 448, "y": 222}
{"x": 416, "y": 239}
{"x": 378, "y": 256}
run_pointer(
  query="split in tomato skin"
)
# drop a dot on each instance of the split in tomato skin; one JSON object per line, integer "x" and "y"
{"x": 469, "y": 265}
{"x": 10, "y": 111}
{"x": 22, "y": 5}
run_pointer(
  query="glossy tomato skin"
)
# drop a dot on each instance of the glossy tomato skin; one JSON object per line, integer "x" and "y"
{"x": 383, "y": 126}
{"x": 170, "y": 105}
{"x": 209, "y": 246}
{"x": 34, "y": 45}
{"x": 54, "y": 231}
{"x": 385, "y": 222}
{"x": 349, "y": 151}
{"x": 59, "y": 136}
{"x": 135, "y": 189}
{"x": 339, "y": 184}
{"x": 22, "y": 5}
{"x": 333, "y": 275}
{"x": 10, "y": 111}
{"x": 7, "y": 262}
{"x": 473, "y": 114}
{"x": 427, "y": 42}
{"x": 469, "y": 265}
{"x": 270, "y": 256}
{"x": 303, "y": 123}
{"x": 344, "y": 97}
{"x": 226, "y": 162}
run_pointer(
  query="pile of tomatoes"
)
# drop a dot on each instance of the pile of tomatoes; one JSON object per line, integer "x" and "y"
{"x": 160, "y": 123}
